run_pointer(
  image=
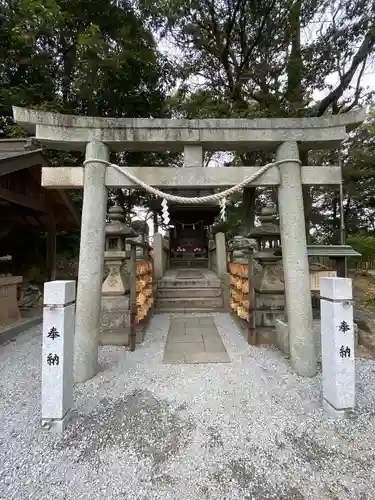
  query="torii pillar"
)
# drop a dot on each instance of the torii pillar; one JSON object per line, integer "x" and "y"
{"x": 295, "y": 262}
{"x": 91, "y": 264}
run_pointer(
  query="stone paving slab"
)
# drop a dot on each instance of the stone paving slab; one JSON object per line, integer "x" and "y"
{"x": 214, "y": 345}
{"x": 185, "y": 347}
{"x": 194, "y": 340}
{"x": 207, "y": 357}
{"x": 194, "y": 337}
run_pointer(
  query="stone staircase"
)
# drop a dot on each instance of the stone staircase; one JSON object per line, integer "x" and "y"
{"x": 189, "y": 290}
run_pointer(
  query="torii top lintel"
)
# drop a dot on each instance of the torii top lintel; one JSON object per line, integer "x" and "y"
{"x": 69, "y": 132}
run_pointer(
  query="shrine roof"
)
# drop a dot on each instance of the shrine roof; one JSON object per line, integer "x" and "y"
{"x": 23, "y": 201}
{"x": 331, "y": 251}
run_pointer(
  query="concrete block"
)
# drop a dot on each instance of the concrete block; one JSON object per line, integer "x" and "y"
{"x": 59, "y": 292}
{"x": 336, "y": 288}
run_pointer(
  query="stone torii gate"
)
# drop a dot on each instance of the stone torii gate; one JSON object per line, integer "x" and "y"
{"x": 100, "y": 136}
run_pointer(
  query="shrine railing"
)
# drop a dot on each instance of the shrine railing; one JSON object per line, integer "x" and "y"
{"x": 141, "y": 289}
{"x": 212, "y": 257}
{"x": 165, "y": 253}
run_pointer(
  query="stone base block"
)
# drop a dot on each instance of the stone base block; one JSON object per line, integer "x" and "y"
{"x": 113, "y": 337}
{"x": 121, "y": 337}
{"x": 9, "y": 312}
{"x": 282, "y": 336}
{"x": 334, "y": 412}
{"x": 59, "y": 425}
{"x": 265, "y": 336}
{"x": 267, "y": 318}
{"x": 268, "y": 309}
{"x": 115, "y": 320}
{"x": 275, "y": 302}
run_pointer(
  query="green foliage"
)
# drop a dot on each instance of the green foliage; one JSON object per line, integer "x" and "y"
{"x": 90, "y": 57}
{"x": 249, "y": 59}
{"x": 358, "y": 168}
{"x": 363, "y": 244}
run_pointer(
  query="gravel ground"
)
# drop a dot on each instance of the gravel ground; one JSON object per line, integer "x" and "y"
{"x": 249, "y": 429}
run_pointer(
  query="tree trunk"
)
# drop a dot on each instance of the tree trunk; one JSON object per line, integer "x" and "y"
{"x": 51, "y": 250}
{"x": 294, "y": 93}
{"x": 155, "y": 222}
{"x": 249, "y": 198}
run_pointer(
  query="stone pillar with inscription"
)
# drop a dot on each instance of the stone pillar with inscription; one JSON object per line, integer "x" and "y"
{"x": 338, "y": 350}
{"x": 57, "y": 354}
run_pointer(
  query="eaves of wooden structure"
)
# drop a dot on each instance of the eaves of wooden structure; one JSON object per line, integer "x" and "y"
{"x": 22, "y": 199}
{"x": 24, "y": 203}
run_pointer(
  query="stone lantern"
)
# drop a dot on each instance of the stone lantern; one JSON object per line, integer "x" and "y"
{"x": 268, "y": 233}
{"x": 115, "y": 314}
{"x": 241, "y": 247}
{"x": 269, "y": 282}
{"x": 141, "y": 235}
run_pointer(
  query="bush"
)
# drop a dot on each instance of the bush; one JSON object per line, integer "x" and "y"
{"x": 365, "y": 245}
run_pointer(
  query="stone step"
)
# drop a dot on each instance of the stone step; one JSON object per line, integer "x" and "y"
{"x": 189, "y": 283}
{"x": 188, "y": 292}
{"x": 189, "y": 303}
{"x": 189, "y": 310}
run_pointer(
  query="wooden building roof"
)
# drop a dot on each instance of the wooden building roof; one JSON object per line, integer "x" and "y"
{"x": 24, "y": 203}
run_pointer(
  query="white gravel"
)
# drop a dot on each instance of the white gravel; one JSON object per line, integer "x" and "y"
{"x": 249, "y": 429}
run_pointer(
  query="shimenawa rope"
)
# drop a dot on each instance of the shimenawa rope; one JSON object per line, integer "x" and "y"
{"x": 194, "y": 200}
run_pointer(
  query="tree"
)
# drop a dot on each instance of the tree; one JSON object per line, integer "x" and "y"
{"x": 90, "y": 57}
{"x": 240, "y": 58}
{"x": 358, "y": 167}
{"x": 274, "y": 53}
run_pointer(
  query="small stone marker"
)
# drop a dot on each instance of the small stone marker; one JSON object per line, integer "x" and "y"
{"x": 57, "y": 352}
{"x": 338, "y": 353}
